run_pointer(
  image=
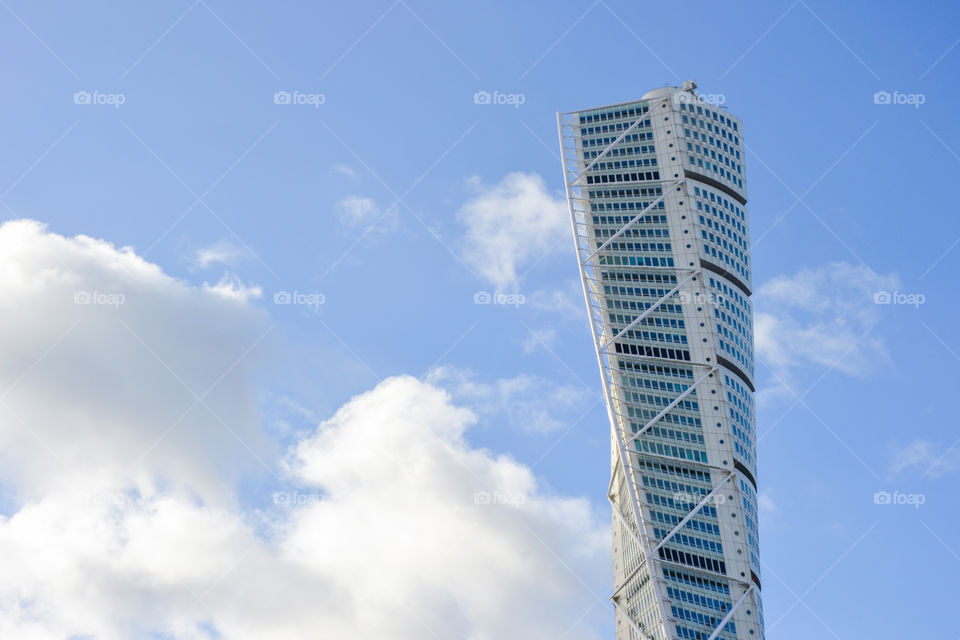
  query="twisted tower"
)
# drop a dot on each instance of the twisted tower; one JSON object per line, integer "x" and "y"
{"x": 657, "y": 202}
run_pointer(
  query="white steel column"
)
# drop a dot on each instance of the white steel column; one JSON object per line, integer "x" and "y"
{"x": 730, "y": 613}
{"x": 670, "y": 406}
{"x": 615, "y": 425}
{"x": 694, "y": 512}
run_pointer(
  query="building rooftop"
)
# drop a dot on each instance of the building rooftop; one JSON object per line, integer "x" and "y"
{"x": 662, "y": 92}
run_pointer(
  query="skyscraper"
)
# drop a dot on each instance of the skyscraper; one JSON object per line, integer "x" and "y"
{"x": 657, "y": 202}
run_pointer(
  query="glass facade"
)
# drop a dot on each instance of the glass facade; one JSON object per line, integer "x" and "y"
{"x": 658, "y": 203}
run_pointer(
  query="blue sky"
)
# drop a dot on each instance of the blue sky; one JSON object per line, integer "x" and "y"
{"x": 376, "y": 194}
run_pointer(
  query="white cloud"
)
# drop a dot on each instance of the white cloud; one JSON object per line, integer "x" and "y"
{"x": 924, "y": 457}
{"x": 525, "y": 402}
{"x": 510, "y": 226}
{"x": 566, "y": 302}
{"x": 223, "y": 252}
{"x": 420, "y": 479}
{"x": 106, "y": 544}
{"x": 344, "y": 170}
{"x": 765, "y": 502}
{"x": 231, "y": 287}
{"x": 359, "y": 213}
{"x": 539, "y": 339}
{"x": 104, "y": 358}
{"x": 821, "y": 318}
{"x": 398, "y": 524}
{"x": 358, "y": 210}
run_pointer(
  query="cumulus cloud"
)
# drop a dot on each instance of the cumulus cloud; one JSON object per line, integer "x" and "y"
{"x": 130, "y": 526}
{"x": 510, "y": 226}
{"x": 113, "y": 370}
{"x": 422, "y": 517}
{"x": 821, "y": 317}
{"x": 525, "y": 402}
